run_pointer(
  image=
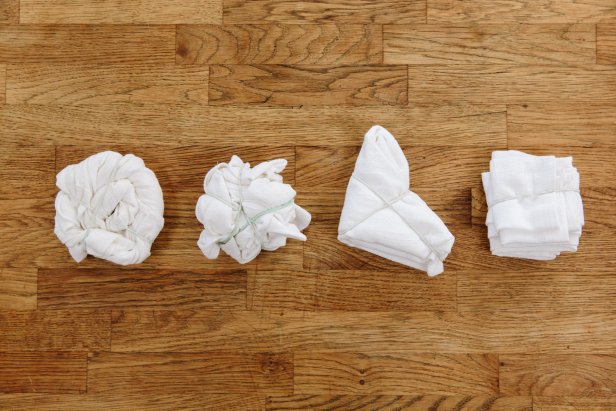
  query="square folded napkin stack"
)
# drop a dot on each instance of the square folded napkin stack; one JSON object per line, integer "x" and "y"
{"x": 534, "y": 205}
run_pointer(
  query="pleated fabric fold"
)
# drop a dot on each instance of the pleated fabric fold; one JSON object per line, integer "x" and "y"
{"x": 382, "y": 216}
{"x": 245, "y": 210}
{"x": 109, "y": 206}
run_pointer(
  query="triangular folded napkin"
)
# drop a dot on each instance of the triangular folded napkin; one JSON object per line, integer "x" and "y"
{"x": 382, "y": 216}
{"x": 245, "y": 210}
{"x": 109, "y": 206}
{"x": 534, "y": 205}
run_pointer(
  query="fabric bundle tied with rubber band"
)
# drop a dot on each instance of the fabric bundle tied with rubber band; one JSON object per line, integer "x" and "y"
{"x": 381, "y": 215}
{"x": 534, "y": 205}
{"x": 245, "y": 210}
{"x": 109, "y": 206}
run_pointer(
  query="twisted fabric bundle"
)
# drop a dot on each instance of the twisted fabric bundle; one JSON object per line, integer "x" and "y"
{"x": 109, "y": 206}
{"x": 534, "y": 205}
{"x": 382, "y": 216}
{"x": 245, "y": 210}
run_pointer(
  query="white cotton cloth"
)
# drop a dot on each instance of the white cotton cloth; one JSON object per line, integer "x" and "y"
{"x": 245, "y": 210}
{"x": 109, "y": 206}
{"x": 382, "y": 216}
{"x": 534, "y": 205}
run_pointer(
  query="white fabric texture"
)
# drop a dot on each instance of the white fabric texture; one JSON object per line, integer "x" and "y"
{"x": 245, "y": 210}
{"x": 534, "y": 205}
{"x": 381, "y": 215}
{"x": 109, "y": 206}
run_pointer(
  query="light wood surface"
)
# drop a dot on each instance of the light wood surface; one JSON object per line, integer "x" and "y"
{"x": 185, "y": 84}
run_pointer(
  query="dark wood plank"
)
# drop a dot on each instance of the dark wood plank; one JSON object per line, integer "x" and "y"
{"x": 489, "y": 44}
{"x": 312, "y": 86}
{"x": 298, "y": 11}
{"x": 279, "y": 44}
{"x": 395, "y": 373}
{"x": 215, "y": 372}
{"x": 54, "y": 330}
{"x": 606, "y": 43}
{"x": 27, "y": 171}
{"x": 574, "y": 403}
{"x": 18, "y": 288}
{"x": 43, "y": 372}
{"x": 9, "y": 11}
{"x": 516, "y": 84}
{"x": 86, "y": 44}
{"x": 400, "y": 402}
{"x": 136, "y": 83}
{"x": 109, "y": 288}
{"x": 558, "y": 375}
{"x": 121, "y": 12}
{"x": 521, "y": 11}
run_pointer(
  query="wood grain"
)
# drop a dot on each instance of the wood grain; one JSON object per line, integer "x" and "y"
{"x": 96, "y": 288}
{"x": 55, "y": 330}
{"x": 558, "y": 375}
{"x": 561, "y": 124}
{"x": 489, "y": 44}
{"x": 50, "y": 372}
{"x": 150, "y": 373}
{"x": 511, "y": 84}
{"x": 521, "y": 11}
{"x": 400, "y": 402}
{"x": 121, "y": 12}
{"x": 606, "y": 43}
{"x": 297, "y": 11}
{"x": 70, "y": 84}
{"x": 313, "y": 86}
{"x": 574, "y": 403}
{"x": 326, "y": 44}
{"x": 18, "y": 288}
{"x": 323, "y": 373}
{"x": 9, "y": 11}
{"x": 2, "y": 84}
{"x": 27, "y": 171}
{"x": 86, "y": 44}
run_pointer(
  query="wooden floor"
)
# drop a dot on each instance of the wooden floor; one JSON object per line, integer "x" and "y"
{"x": 185, "y": 84}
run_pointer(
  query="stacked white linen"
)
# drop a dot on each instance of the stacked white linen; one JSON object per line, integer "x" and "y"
{"x": 245, "y": 210}
{"x": 109, "y": 206}
{"x": 382, "y": 216}
{"x": 534, "y": 205}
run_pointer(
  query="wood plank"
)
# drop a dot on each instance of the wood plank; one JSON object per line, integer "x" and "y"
{"x": 511, "y": 84}
{"x": 400, "y": 402}
{"x": 279, "y": 44}
{"x": 312, "y": 86}
{"x": 521, "y": 11}
{"x": 53, "y": 330}
{"x": 558, "y": 375}
{"x": 574, "y": 403}
{"x": 71, "y": 84}
{"x": 18, "y": 288}
{"x": 87, "y": 44}
{"x": 2, "y": 83}
{"x": 349, "y": 11}
{"x": 145, "y": 402}
{"x": 351, "y": 291}
{"x": 109, "y": 288}
{"x": 121, "y": 12}
{"x": 9, "y": 11}
{"x": 489, "y": 44}
{"x": 181, "y": 373}
{"x": 172, "y": 125}
{"x": 395, "y": 373}
{"x": 561, "y": 124}
{"x": 606, "y": 43}
{"x": 27, "y": 171}
{"x": 43, "y": 372}
{"x": 372, "y": 332}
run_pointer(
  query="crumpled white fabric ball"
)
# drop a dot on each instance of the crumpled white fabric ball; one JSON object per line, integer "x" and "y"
{"x": 245, "y": 210}
{"x": 382, "y": 216}
{"x": 109, "y": 206}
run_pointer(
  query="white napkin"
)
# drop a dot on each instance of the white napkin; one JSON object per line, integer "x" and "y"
{"x": 109, "y": 206}
{"x": 534, "y": 205}
{"x": 382, "y": 216}
{"x": 245, "y": 210}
